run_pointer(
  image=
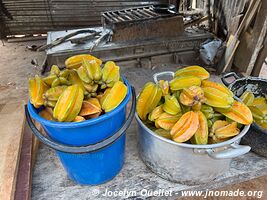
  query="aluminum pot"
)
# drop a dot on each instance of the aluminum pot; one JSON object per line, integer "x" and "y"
{"x": 186, "y": 163}
{"x": 256, "y": 136}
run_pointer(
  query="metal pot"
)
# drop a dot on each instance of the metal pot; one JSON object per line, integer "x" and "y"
{"x": 256, "y": 136}
{"x": 186, "y": 163}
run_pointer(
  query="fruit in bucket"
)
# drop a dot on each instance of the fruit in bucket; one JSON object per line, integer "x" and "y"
{"x": 81, "y": 92}
{"x": 192, "y": 109}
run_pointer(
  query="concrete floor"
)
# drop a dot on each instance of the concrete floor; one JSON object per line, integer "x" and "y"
{"x": 16, "y": 68}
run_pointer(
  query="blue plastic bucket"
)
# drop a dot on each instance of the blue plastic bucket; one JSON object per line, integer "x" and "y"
{"x": 92, "y": 151}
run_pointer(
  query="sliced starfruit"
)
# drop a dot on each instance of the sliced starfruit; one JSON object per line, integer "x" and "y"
{"x": 114, "y": 97}
{"x": 185, "y": 127}
{"x": 193, "y": 71}
{"x": 217, "y": 98}
{"x": 239, "y": 112}
{"x": 218, "y": 86}
{"x": 171, "y": 105}
{"x": 148, "y": 99}
{"x": 163, "y": 133}
{"x": 69, "y": 104}
{"x": 164, "y": 85}
{"x": 166, "y": 121}
{"x": 202, "y": 133}
{"x": 90, "y": 107}
{"x": 75, "y": 62}
{"x": 155, "y": 113}
{"x": 182, "y": 82}
{"x": 37, "y": 88}
{"x": 247, "y": 98}
{"x": 110, "y": 74}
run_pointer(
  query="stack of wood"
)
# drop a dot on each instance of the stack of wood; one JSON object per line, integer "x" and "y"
{"x": 18, "y": 150}
{"x": 246, "y": 43}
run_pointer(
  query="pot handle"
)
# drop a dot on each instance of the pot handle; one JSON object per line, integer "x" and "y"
{"x": 166, "y": 73}
{"x": 227, "y": 75}
{"x": 83, "y": 149}
{"x": 235, "y": 150}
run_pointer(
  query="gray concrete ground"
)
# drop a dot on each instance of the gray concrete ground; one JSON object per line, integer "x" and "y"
{"x": 49, "y": 178}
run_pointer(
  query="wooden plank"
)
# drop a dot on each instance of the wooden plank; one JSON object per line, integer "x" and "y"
{"x": 24, "y": 177}
{"x": 11, "y": 133}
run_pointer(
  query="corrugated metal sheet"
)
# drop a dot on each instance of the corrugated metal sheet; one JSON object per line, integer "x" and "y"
{"x": 40, "y": 16}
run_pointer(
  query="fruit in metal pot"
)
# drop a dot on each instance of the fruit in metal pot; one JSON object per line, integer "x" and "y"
{"x": 37, "y": 88}
{"x": 69, "y": 104}
{"x": 164, "y": 85}
{"x": 193, "y": 71}
{"x": 239, "y": 112}
{"x": 247, "y": 98}
{"x": 218, "y": 86}
{"x": 257, "y": 113}
{"x": 110, "y": 74}
{"x": 166, "y": 121}
{"x": 217, "y": 98}
{"x": 192, "y": 96}
{"x": 182, "y": 82}
{"x": 148, "y": 99}
{"x": 163, "y": 133}
{"x": 207, "y": 111}
{"x": 171, "y": 105}
{"x": 202, "y": 133}
{"x": 185, "y": 127}
{"x": 114, "y": 96}
{"x": 155, "y": 113}
{"x": 224, "y": 129}
{"x": 75, "y": 62}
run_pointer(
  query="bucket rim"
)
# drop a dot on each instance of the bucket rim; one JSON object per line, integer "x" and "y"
{"x": 35, "y": 116}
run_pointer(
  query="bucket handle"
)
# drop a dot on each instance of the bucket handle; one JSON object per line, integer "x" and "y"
{"x": 227, "y": 75}
{"x": 235, "y": 150}
{"x": 83, "y": 149}
{"x": 166, "y": 73}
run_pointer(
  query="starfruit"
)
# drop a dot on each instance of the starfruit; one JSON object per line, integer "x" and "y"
{"x": 75, "y": 62}
{"x": 182, "y": 82}
{"x": 155, "y": 113}
{"x": 90, "y": 107}
{"x": 217, "y": 98}
{"x": 75, "y": 80}
{"x": 171, "y": 105}
{"x": 47, "y": 113}
{"x": 185, "y": 127}
{"x": 166, "y": 121}
{"x": 239, "y": 112}
{"x": 163, "y": 133}
{"x": 53, "y": 94}
{"x": 148, "y": 99}
{"x": 51, "y": 104}
{"x": 93, "y": 70}
{"x": 82, "y": 73}
{"x": 192, "y": 96}
{"x": 69, "y": 104}
{"x": 164, "y": 85}
{"x": 79, "y": 119}
{"x": 257, "y": 113}
{"x": 193, "y": 71}
{"x": 247, "y": 98}
{"x": 37, "y": 88}
{"x": 115, "y": 96}
{"x": 259, "y": 101}
{"x": 202, "y": 133}
{"x": 224, "y": 129}
{"x": 218, "y": 86}
{"x": 110, "y": 74}
{"x": 57, "y": 77}
{"x": 207, "y": 111}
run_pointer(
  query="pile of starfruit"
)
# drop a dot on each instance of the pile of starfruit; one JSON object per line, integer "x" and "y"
{"x": 190, "y": 108}
{"x": 83, "y": 90}
{"x": 258, "y": 107}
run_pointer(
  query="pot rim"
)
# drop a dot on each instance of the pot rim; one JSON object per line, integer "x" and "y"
{"x": 194, "y": 146}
